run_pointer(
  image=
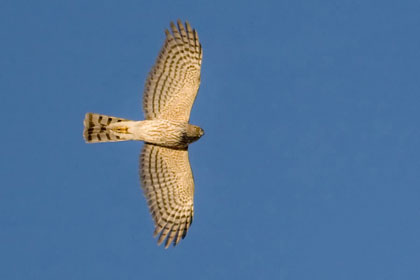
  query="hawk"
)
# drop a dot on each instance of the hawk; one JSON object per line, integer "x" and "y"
{"x": 168, "y": 97}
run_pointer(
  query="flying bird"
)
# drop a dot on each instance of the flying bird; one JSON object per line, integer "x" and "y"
{"x": 165, "y": 172}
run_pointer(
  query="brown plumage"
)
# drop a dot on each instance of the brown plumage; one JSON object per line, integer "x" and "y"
{"x": 165, "y": 171}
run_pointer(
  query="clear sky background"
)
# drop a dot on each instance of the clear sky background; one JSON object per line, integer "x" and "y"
{"x": 309, "y": 168}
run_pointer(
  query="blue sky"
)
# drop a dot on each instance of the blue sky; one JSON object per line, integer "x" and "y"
{"x": 309, "y": 168}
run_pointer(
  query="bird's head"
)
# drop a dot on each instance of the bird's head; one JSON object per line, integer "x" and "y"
{"x": 193, "y": 133}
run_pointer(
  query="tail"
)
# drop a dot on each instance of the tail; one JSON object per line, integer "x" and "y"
{"x": 98, "y": 128}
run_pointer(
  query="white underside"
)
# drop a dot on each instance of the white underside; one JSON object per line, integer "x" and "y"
{"x": 161, "y": 132}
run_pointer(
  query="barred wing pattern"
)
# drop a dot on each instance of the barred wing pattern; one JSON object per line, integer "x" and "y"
{"x": 168, "y": 186}
{"x": 173, "y": 82}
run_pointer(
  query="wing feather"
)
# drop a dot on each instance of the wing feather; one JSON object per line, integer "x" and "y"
{"x": 168, "y": 186}
{"x": 174, "y": 80}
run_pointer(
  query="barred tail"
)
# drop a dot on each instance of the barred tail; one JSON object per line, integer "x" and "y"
{"x": 97, "y": 129}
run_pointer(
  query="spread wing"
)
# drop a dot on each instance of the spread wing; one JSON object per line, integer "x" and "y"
{"x": 173, "y": 82}
{"x": 168, "y": 186}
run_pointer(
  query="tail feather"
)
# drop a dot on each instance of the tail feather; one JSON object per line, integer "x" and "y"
{"x": 97, "y": 128}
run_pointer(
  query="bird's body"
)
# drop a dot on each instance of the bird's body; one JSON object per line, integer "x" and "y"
{"x": 165, "y": 171}
{"x": 166, "y": 133}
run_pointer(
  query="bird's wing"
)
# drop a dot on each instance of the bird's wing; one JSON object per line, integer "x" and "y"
{"x": 168, "y": 186}
{"x": 173, "y": 82}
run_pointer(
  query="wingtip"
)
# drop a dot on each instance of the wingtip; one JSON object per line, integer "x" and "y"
{"x": 167, "y": 243}
{"x": 172, "y": 24}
